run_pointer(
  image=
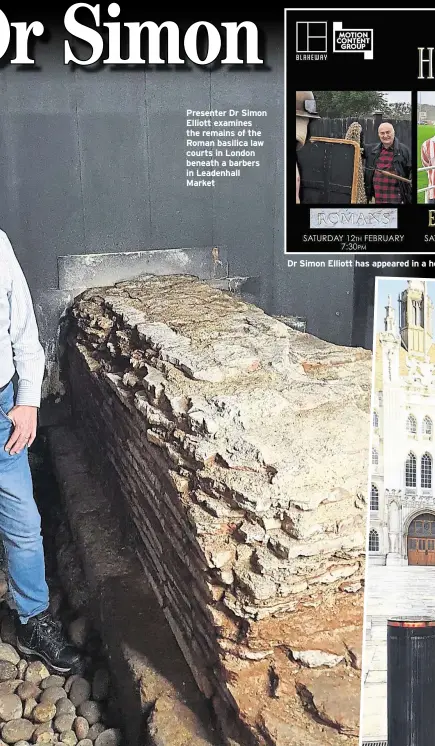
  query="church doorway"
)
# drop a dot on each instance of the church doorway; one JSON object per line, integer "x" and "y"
{"x": 421, "y": 540}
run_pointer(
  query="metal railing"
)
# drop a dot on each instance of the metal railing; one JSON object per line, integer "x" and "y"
{"x": 425, "y": 189}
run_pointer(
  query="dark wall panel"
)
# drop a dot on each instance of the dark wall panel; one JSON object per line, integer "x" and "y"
{"x": 322, "y": 295}
{"x": 243, "y": 212}
{"x": 42, "y": 210}
{"x": 181, "y": 216}
{"x": 93, "y": 161}
{"x": 111, "y": 130}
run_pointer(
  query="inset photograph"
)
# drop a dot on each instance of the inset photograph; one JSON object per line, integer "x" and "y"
{"x": 353, "y": 147}
{"x": 426, "y": 147}
{"x": 400, "y": 572}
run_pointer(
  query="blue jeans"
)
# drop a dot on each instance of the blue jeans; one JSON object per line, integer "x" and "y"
{"x": 20, "y": 523}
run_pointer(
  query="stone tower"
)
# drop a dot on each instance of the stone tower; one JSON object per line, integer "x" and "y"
{"x": 416, "y": 318}
{"x": 390, "y": 318}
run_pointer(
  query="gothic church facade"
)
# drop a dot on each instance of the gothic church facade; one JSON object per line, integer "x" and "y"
{"x": 402, "y": 505}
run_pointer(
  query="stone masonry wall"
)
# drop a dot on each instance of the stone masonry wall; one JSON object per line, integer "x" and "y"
{"x": 240, "y": 447}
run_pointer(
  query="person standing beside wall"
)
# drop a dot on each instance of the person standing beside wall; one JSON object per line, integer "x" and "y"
{"x": 22, "y": 357}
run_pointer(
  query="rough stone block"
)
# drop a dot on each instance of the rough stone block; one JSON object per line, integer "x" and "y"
{"x": 239, "y": 447}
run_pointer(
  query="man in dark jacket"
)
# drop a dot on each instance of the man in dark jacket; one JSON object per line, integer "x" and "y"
{"x": 388, "y": 155}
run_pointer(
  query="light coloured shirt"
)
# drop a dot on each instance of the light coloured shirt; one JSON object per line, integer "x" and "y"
{"x": 20, "y": 348}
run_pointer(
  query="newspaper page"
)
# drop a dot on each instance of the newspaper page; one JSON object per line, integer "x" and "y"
{"x": 194, "y": 508}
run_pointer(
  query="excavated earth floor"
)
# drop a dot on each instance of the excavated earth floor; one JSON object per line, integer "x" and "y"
{"x": 36, "y": 705}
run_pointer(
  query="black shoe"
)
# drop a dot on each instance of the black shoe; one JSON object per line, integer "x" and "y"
{"x": 43, "y": 637}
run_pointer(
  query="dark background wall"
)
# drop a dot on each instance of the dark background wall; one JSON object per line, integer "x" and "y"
{"x": 93, "y": 162}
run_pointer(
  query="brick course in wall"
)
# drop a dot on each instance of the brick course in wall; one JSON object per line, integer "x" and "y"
{"x": 240, "y": 448}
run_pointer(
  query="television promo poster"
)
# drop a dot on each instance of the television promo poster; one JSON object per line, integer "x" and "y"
{"x": 365, "y": 159}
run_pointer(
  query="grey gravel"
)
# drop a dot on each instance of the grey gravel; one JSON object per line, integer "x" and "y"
{"x": 28, "y": 690}
{"x": 53, "y": 694}
{"x": 91, "y": 711}
{"x": 70, "y": 681}
{"x": 36, "y": 672}
{"x": 9, "y": 687}
{"x": 95, "y": 731}
{"x": 22, "y": 668}
{"x": 29, "y": 706}
{"x": 7, "y": 671}
{"x": 80, "y": 691}
{"x": 65, "y": 707}
{"x": 41, "y": 729}
{"x": 17, "y": 730}
{"x": 63, "y": 723}
{"x": 69, "y": 737}
{"x": 81, "y": 727}
{"x": 11, "y": 707}
{"x": 8, "y": 653}
{"x": 53, "y": 680}
{"x": 110, "y": 737}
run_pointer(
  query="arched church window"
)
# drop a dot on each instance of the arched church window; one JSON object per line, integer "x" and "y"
{"x": 411, "y": 424}
{"x": 373, "y": 541}
{"x": 375, "y": 457}
{"x": 427, "y": 426}
{"x": 426, "y": 471}
{"x": 375, "y": 419}
{"x": 374, "y": 498}
{"x": 411, "y": 471}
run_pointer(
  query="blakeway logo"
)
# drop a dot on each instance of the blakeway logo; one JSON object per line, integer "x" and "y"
{"x": 358, "y": 40}
{"x": 312, "y": 40}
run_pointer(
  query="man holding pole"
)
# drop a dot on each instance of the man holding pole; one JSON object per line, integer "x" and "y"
{"x": 388, "y": 169}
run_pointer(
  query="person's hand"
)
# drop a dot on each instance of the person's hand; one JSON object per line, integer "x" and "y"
{"x": 24, "y": 419}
